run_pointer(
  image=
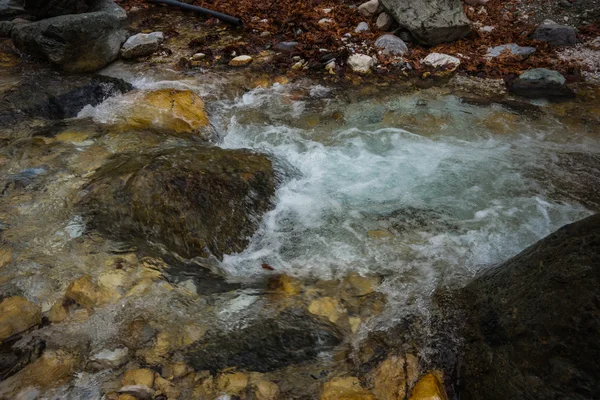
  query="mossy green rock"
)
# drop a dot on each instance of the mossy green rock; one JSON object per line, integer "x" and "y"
{"x": 197, "y": 201}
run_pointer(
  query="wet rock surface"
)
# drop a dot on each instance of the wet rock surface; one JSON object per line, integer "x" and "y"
{"x": 529, "y": 318}
{"x": 541, "y": 82}
{"x": 142, "y": 44}
{"x": 53, "y": 8}
{"x": 288, "y": 338}
{"x": 196, "y": 200}
{"x": 56, "y": 97}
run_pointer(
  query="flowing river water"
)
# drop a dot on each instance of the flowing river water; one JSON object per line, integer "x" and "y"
{"x": 422, "y": 189}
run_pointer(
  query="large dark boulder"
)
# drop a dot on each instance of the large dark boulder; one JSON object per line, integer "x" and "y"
{"x": 75, "y": 42}
{"x": 431, "y": 22}
{"x": 533, "y": 323}
{"x": 54, "y": 96}
{"x": 196, "y": 200}
{"x": 265, "y": 344}
{"x": 54, "y": 8}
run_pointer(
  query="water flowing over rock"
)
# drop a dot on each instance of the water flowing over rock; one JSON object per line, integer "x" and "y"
{"x": 75, "y": 42}
{"x": 431, "y": 22}
{"x": 541, "y": 82}
{"x": 56, "y": 97}
{"x": 196, "y": 200}
{"x": 16, "y": 316}
{"x": 265, "y": 344}
{"x": 533, "y": 321}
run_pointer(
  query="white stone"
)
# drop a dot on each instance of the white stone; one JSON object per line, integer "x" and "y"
{"x": 361, "y": 63}
{"x": 198, "y": 56}
{"x": 437, "y": 60}
{"x": 325, "y": 21}
{"x": 370, "y": 8}
{"x": 106, "y": 359}
{"x": 362, "y": 27}
{"x": 384, "y": 22}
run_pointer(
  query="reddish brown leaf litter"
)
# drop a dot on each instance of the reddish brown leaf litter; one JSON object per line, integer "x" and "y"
{"x": 319, "y": 26}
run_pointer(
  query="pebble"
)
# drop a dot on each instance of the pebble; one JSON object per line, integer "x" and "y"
{"x": 198, "y": 56}
{"x": 384, "y": 22}
{"x": 361, "y": 63}
{"x": 240, "y": 61}
{"x": 512, "y": 48}
{"x": 362, "y": 27}
{"x": 325, "y": 21}
{"x": 437, "y": 60}
{"x": 369, "y": 9}
{"x": 391, "y": 45}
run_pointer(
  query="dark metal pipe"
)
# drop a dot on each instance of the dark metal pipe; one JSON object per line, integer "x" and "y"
{"x": 223, "y": 17}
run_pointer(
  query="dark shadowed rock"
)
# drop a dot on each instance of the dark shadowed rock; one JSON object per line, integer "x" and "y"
{"x": 533, "y": 322}
{"x": 195, "y": 200}
{"x": 541, "y": 82}
{"x": 555, "y": 34}
{"x": 53, "y": 8}
{"x": 76, "y": 42}
{"x": 10, "y": 9}
{"x": 266, "y": 344}
{"x": 54, "y": 96}
{"x": 430, "y": 21}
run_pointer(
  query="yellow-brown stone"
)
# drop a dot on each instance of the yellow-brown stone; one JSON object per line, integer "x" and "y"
{"x": 390, "y": 379}
{"x": 89, "y": 295}
{"x": 326, "y": 307}
{"x": 58, "y": 312}
{"x": 266, "y": 390}
{"x": 5, "y": 256}
{"x": 240, "y": 61}
{"x": 163, "y": 386}
{"x": 180, "y": 111}
{"x": 140, "y": 376}
{"x": 428, "y": 387}
{"x": 348, "y": 388}
{"x": 232, "y": 383}
{"x": 17, "y": 315}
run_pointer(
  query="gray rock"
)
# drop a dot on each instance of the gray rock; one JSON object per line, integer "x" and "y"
{"x": 142, "y": 45}
{"x": 362, "y": 27}
{"x": 78, "y": 42}
{"x": 540, "y": 83}
{"x": 555, "y": 34}
{"x": 512, "y": 48}
{"x": 56, "y": 97}
{"x": 10, "y": 9}
{"x": 286, "y": 46}
{"x": 196, "y": 200}
{"x": 430, "y": 21}
{"x": 53, "y": 8}
{"x": 370, "y": 8}
{"x": 392, "y": 45}
{"x": 532, "y": 322}
{"x": 5, "y": 29}
{"x": 384, "y": 22}
{"x": 106, "y": 359}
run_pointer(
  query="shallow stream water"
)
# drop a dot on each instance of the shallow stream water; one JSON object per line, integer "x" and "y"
{"x": 422, "y": 189}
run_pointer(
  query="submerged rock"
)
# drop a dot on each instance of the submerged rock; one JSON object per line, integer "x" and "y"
{"x": 196, "y": 200}
{"x": 142, "y": 45}
{"x": 431, "y": 22}
{"x": 347, "y": 388}
{"x": 555, "y": 34}
{"x": 265, "y": 344}
{"x": 75, "y": 42}
{"x": 532, "y": 325}
{"x": 17, "y": 315}
{"x": 541, "y": 82}
{"x": 54, "y": 96}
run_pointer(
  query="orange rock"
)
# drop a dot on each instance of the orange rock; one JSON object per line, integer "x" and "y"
{"x": 17, "y": 315}
{"x": 429, "y": 387}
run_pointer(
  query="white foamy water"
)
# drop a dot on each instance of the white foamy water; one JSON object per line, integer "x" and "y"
{"x": 385, "y": 200}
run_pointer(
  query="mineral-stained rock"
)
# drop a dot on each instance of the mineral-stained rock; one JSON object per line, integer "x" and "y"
{"x": 430, "y": 21}
{"x": 533, "y": 323}
{"x": 347, "y": 388}
{"x": 195, "y": 200}
{"x": 17, "y": 315}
